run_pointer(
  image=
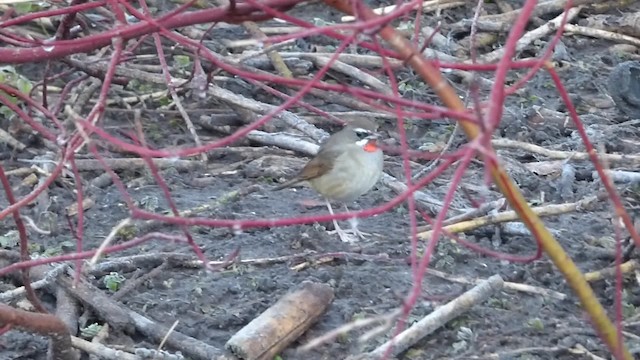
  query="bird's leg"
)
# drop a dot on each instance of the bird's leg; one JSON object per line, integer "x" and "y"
{"x": 354, "y": 226}
{"x": 345, "y": 236}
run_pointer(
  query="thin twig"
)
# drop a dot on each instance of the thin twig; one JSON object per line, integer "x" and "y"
{"x": 438, "y": 318}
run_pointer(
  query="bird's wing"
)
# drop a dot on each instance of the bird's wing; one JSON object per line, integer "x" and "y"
{"x": 316, "y": 167}
{"x": 319, "y": 165}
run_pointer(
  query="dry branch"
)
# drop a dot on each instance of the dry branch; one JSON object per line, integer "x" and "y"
{"x": 530, "y": 289}
{"x": 507, "y": 216}
{"x": 533, "y": 35}
{"x": 6, "y": 138}
{"x": 427, "y": 6}
{"x": 102, "y": 351}
{"x": 601, "y": 34}
{"x": 45, "y": 324}
{"x": 438, "y": 318}
{"x": 556, "y": 154}
{"x": 281, "y": 324}
{"x": 134, "y": 163}
{"x": 120, "y": 317}
{"x": 620, "y": 176}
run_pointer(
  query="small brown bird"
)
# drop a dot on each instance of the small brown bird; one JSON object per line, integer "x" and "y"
{"x": 346, "y": 166}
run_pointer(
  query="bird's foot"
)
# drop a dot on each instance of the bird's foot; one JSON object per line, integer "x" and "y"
{"x": 354, "y": 228}
{"x": 350, "y": 236}
{"x": 358, "y": 233}
{"x": 345, "y": 235}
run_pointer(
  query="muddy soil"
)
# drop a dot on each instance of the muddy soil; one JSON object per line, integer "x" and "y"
{"x": 212, "y": 306}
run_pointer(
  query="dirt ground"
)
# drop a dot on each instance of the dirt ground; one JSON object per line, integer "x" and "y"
{"x": 212, "y": 306}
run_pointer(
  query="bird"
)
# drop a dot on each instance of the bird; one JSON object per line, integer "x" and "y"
{"x": 348, "y": 164}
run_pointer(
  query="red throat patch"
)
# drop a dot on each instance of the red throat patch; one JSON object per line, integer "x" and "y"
{"x": 371, "y": 146}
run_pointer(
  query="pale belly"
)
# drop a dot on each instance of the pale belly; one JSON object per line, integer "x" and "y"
{"x": 351, "y": 178}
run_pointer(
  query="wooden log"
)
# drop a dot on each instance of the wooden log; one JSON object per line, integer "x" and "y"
{"x": 281, "y": 324}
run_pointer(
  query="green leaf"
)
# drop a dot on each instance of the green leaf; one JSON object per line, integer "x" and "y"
{"x": 24, "y": 7}
{"x": 113, "y": 281}
{"x": 182, "y": 61}
{"x": 24, "y": 85}
{"x": 90, "y": 331}
{"x": 9, "y": 240}
{"x": 536, "y": 324}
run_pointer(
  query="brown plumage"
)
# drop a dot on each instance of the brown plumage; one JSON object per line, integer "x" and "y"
{"x": 346, "y": 166}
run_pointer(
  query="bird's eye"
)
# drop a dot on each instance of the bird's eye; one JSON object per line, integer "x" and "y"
{"x": 362, "y": 133}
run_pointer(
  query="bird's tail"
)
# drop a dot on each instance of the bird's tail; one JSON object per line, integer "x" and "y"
{"x": 287, "y": 184}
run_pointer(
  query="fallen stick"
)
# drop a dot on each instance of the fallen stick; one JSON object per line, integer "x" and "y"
{"x": 511, "y": 216}
{"x": 438, "y": 318}
{"x": 563, "y": 155}
{"x": 281, "y": 324}
{"x": 44, "y": 324}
